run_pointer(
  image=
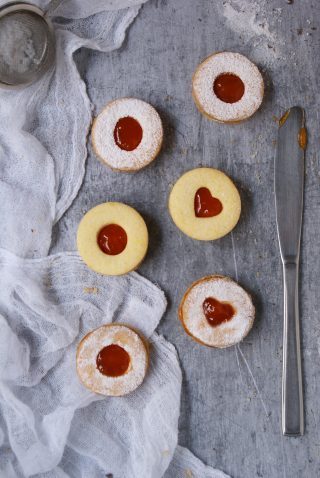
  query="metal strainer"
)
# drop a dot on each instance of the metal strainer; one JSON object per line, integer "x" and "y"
{"x": 27, "y": 44}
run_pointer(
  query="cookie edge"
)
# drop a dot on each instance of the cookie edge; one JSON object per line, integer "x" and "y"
{"x": 207, "y": 279}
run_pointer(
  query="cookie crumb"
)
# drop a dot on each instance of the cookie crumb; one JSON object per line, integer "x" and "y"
{"x": 90, "y": 290}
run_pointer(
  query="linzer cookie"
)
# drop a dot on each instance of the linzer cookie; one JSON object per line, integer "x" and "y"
{"x": 205, "y": 204}
{"x": 227, "y": 87}
{"x": 216, "y": 311}
{"x": 112, "y": 238}
{"x": 112, "y": 360}
{"x": 127, "y": 134}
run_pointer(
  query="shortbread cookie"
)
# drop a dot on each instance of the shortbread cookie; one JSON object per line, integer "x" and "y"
{"x": 227, "y": 87}
{"x": 127, "y": 134}
{"x": 112, "y": 360}
{"x": 216, "y": 311}
{"x": 112, "y": 238}
{"x": 205, "y": 204}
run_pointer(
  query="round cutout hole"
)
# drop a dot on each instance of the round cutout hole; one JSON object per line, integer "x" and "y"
{"x": 228, "y": 87}
{"x": 113, "y": 361}
{"x": 112, "y": 239}
{"x": 128, "y": 133}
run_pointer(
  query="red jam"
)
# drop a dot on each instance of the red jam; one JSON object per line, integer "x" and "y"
{"x": 217, "y": 312}
{"x": 113, "y": 361}
{"x": 128, "y": 133}
{"x": 112, "y": 239}
{"x": 205, "y": 205}
{"x": 228, "y": 87}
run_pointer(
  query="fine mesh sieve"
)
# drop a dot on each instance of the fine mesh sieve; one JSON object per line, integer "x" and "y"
{"x": 27, "y": 45}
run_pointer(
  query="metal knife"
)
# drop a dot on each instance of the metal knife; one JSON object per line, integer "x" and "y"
{"x": 289, "y": 185}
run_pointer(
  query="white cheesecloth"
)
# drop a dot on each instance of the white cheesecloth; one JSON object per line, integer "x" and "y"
{"x": 50, "y": 425}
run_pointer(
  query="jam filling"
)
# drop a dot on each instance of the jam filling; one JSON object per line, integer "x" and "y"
{"x": 128, "y": 133}
{"x": 217, "y": 312}
{"x": 112, "y": 239}
{"x": 228, "y": 87}
{"x": 302, "y": 138}
{"x": 113, "y": 361}
{"x": 205, "y": 205}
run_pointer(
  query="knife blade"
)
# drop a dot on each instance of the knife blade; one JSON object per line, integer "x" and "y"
{"x": 289, "y": 187}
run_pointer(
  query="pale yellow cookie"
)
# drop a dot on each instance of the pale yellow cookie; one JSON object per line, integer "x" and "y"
{"x": 188, "y": 208}
{"x": 127, "y": 135}
{"x": 112, "y": 238}
{"x": 227, "y": 87}
{"x": 112, "y": 360}
{"x": 216, "y": 311}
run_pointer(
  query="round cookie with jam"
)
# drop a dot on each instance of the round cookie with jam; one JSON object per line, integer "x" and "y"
{"x": 216, "y": 311}
{"x": 227, "y": 87}
{"x": 205, "y": 204}
{"x": 112, "y": 238}
{"x": 127, "y": 135}
{"x": 112, "y": 360}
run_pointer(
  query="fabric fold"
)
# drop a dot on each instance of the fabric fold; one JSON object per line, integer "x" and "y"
{"x": 50, "y": 425}
{"x": 44, "y": 406}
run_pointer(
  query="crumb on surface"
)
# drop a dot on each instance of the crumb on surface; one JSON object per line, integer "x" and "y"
{"x": 91, "y": 290}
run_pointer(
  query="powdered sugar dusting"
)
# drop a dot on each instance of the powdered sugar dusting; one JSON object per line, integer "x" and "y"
{"x": 228, "y": 62}
{"x": 224, "y": 290}
{"x": 102, "y": 337}
{"x": 250, "y": 20}
{"x": 103, "y": 138}
{"x": 240, "y": 19}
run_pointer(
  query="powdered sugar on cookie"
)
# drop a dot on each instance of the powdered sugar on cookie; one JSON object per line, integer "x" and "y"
{"x": 95, "y": 341}
{"x": 236, "y": 64}
{"x": 103, "y": 134}
{"x": 222, "y": 289}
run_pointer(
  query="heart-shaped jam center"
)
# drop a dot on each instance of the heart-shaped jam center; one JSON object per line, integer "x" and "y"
{"x": 217, "y": 312}
{"x": 205, "y": 205}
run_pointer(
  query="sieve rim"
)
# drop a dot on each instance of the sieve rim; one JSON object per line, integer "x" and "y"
{"x": 49, "y": 54}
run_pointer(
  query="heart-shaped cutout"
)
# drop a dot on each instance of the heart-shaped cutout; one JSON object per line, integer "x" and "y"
{"x": 217, "y": 312}
{"x": 205, "y": 205}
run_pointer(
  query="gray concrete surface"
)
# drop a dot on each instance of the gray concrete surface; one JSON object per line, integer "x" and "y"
{"x": 230, "y": 410}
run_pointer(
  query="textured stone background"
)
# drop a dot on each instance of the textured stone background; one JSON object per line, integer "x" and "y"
{"x": 230, "y": 415}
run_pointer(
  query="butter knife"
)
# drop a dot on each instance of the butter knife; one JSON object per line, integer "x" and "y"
{"x": 289, "y": 185}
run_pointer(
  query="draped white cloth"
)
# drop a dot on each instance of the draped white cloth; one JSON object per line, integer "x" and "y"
{"x": 50, "y": 425}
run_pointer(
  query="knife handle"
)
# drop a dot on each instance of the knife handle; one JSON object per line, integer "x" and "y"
{"x": 292, "y": 397}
